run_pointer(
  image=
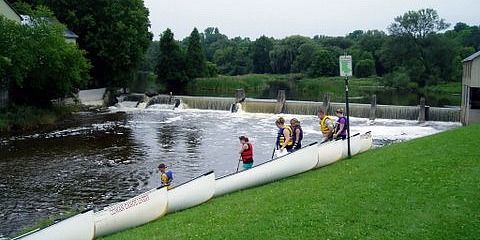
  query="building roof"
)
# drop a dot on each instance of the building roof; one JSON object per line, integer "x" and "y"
{"x": 9, "y": 6}
{"x": 472, "y": 57}
{"x": 70, "y": 34}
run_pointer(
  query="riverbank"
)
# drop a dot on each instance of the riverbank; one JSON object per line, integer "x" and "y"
{"x": 420, "y": 189}
{"x": 23, "y": 119}
{"x": 300, "y": 87}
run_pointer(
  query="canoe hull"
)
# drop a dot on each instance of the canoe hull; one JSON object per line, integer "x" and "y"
{"x": 329, "y": 153}
{"x": 78, "y": 227}
{"x": 192, "y": 193}
{"x": 133, "y": 212}
{"x": 294, "y": 163}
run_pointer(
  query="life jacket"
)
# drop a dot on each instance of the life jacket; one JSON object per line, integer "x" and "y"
{"x": 281, "y": 137}
{"x": 323, "y": 124}
{"x": 294, "y": 135}
{"x": 247, "y": 154}
{"x": 169, "y": 175}
{"x": 344, "y": 131}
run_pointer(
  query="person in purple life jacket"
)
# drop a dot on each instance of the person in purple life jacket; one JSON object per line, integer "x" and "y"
{"x": 341, "y": 125}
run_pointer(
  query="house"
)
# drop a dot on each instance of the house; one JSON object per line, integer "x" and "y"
{"x": 9, "y": 12}
{"x": 471, "y": 90}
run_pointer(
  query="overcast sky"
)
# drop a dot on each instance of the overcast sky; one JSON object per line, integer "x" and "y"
{"x": 281, "y": 18}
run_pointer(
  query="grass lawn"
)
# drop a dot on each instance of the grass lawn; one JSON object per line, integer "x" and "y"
{"x": 425, "y": 188}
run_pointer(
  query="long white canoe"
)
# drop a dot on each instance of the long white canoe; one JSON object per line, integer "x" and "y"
{"x": 191, "y": 193}
{"x": 133, "y": 212}
{"x": 291, "y": 164}
{"x": 78, "y": 227}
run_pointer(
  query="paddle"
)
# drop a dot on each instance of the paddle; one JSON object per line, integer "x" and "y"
{"x": 238, "y": 165}
{"x": 273, "y": 153}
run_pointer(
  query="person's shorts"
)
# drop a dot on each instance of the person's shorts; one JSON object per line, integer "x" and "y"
{"x": 247, "y": 165}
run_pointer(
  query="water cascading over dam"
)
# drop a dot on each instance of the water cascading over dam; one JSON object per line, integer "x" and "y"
{"x": 309, "y": 108}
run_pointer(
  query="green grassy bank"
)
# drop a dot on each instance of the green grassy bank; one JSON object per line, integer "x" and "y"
{"x": 426, "y": 188}
{"x": 300, "y": 87}
{"x": 21, "y": 119}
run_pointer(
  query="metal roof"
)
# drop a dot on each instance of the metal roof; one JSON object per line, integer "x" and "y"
{"x": 471, "y": 57}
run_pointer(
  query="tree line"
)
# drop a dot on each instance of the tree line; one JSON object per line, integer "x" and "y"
{"x": 417, "y": 52}
{"x": 114, "y": 44}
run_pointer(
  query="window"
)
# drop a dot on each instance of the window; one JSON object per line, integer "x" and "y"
{"x": 475, "y": 98}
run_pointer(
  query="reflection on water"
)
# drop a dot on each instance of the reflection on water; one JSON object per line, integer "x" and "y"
{"x": 98, "y": 159}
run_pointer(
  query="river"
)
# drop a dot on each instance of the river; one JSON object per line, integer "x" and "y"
{"x": 99, "y": 158}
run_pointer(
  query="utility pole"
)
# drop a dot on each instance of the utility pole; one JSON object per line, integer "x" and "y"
{"x": 346, "y": 71}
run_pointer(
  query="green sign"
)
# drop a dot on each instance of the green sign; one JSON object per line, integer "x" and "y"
{"x": 346, "y": 66}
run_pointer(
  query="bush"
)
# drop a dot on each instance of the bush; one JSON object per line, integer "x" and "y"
{"x": 398, "y": 79}
{"x": 364, "y": 68}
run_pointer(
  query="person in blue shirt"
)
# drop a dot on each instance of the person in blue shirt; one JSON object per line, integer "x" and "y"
{"x": 166, "y": 176}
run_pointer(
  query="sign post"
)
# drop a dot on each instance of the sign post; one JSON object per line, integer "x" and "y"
{"x": 346, "y": 71}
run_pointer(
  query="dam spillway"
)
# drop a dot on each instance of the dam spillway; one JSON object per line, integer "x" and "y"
{"x": 311, "y": 108}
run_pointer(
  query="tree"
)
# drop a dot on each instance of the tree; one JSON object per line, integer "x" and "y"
{"x": 41, "y": 65}
{"x": 170, "y": 67}
{"x": 364, "y": 68}
{"x": 418, "y": 24}
{"x": 304, "y": 58}
{"x": 260, "y": 54}
{"x": 114, "y": 34}
{"x": 284, "y": 54}
{"x": 196, "y": 65}
{"x": 325, "y": 63}
{"x": 414, "y": 29}
{"x": 213, "y": 40}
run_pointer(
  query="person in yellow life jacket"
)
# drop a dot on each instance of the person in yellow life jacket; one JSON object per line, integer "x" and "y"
{"x": 166, "y": 176}
{"x": 326, "y": 126}
{"x": 246, "y": 152}
{"x": 284, "y": 135}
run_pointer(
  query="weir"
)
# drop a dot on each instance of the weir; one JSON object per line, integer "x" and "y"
{"x": 311, "y": 108}
{"x": 360, "y": 110}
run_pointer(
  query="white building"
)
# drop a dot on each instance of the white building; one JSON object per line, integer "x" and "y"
{"x": 471, "y": 90}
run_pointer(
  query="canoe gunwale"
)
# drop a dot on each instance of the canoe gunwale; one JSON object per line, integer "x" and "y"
{"x": 271, "y": 160}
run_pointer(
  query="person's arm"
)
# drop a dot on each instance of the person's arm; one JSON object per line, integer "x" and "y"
{"x": 297, "y": 136}
{"x": 329, "y": 124}
{"x": 243, "y": 148}
{"x": 286, "y": 134}
{"x": 340, "y": 129}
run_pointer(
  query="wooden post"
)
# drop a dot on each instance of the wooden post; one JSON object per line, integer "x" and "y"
{"x": 422, "y": 111}
{"x": 326, "y": 103}
{"x": 239, "y": 95}
{"x": 281, "y": 98}
{"x": 373, "y": 107}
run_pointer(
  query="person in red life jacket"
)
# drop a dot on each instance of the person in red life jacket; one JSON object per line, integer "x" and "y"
{"x": 246, "y": 152}
{"x": 166, "y": 176}
{"x": 297, "y": 135}
{"x": 341, "y": 125}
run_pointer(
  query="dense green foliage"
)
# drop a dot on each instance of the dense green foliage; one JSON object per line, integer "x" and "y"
{"x": 412, "y": 190}
{"x": 170, "y": 68}
{"x": 38, "y": 65}
{"x": 114, "y": 33}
